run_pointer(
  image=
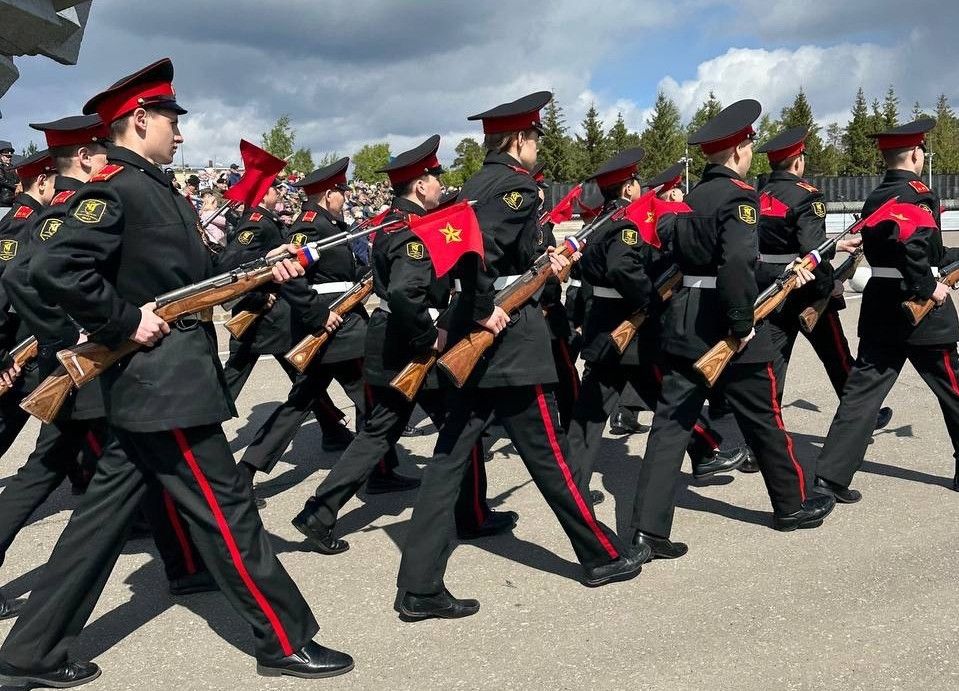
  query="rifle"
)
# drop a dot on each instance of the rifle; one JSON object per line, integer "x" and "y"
{"x": 712, "y": 364}
{"x": 460, "y": 360}
{"x": 917, "y": 309}
{"x": 22, "y": 354}
{"x": 809, "y": 317}
{"x": 302, "y": 354}
{"x": 410, "y": 379}
{"x": 86, "y": 361}
{"x": 666, "y": 284}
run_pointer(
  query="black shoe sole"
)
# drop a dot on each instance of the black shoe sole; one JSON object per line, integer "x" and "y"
{"x": 27, "y": 680}
{"x": 819, "y": 489}
{"x": 718, "y": 471}
{"x": 265, "y": 671}
{"x": 317, "y": 546}
{"x": 614, "y": 578}
{"x": 409, "y": 616}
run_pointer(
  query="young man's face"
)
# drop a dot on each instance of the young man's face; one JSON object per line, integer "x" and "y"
{"x": 6, "y": 157}
{"x": 162, "y": 135}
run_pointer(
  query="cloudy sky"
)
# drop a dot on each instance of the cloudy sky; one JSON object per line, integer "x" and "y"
{"x": 357, "y": 71}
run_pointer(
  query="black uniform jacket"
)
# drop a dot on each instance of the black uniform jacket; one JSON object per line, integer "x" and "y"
{"x": 882, "y": 318}
{"x": 718, "y": 239}
{"x": 14, "y": 230}
{"x": 295, "y": 310}
{"x": 801, "y": 231}
{"x": 51, "y": 326}
{"x": 616, "y": 257}
{"x": 336, "y": 265}
{"x": 507, "y": 207}
{"x": 127, "y": 238}
{"x": 403, "y": 279}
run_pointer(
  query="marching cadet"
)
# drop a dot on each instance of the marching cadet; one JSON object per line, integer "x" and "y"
{"x": 622, "y": 266}
{"x": 77, "y": 149}
{"x": 715, "y": 249}
{"x": 8, "y": 174}
{"x": 341, "y": 358}
{"x": 165, "y": 403}
{"x": 402, "y": 328}
{"x": 796, "y": 227}
{"x": 903, "y": 266}
{"x": 514, "y": 381}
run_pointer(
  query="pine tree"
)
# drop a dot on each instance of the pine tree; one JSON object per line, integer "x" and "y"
{"x": 591, "y": 147}
{"x": 890, "y": 110}
{"x": 469, "y": 159}
{"x": 765, "y": 130}
{"x": 833, "y": 158}
{"x": 555, "y": 146}
{"x": 944, "y": 139}
{"x": 917, "y": 111}
{"x": 619, "y": 137}
{"x": 860, "y": 149}
{"x": 799, "y": 114}
{"x": 279, "y": 141}
{"x": 664, "y": 139}
{"x": 708, "y": 110}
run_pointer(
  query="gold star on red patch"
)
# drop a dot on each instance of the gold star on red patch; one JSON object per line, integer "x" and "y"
{"x": 451, "y": 234}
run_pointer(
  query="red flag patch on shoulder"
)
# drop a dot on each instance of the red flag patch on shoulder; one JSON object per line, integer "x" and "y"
{"x": 743, "y": 184}
{"x": 918, "y": 186}
{"x": 806, "y": 186}
{"x": 22, "y": 212}
{"x": 107, "y": 172}
{"x": 255, "y": 216}
{"x": 62, "y": 197}
{"x": 309, "y": 216}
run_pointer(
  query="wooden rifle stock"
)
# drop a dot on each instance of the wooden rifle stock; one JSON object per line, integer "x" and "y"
{"x": 624, "y": 334}
{"x": 917, "y": 309}
{"x": 22, "y": 354}
{"x": 809, "y": 317}
{"x": 302, "y": 354}
{"x": 238, "y": 324}
{"x": 410, "y": 379}
{"x": 45, "y": 401}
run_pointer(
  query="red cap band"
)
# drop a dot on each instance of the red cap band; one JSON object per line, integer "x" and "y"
{"x": 57, "y": 138}
{"x": 611, "y": 178}
{"x": 727, "y": 142}
{"x": 119, "y": 104}
{"x": 32, "y": 170}
{"x": 512, "y": 123}
{"x": 900, "y": 141}
{"x": 411, "y": 172}
{"x": 788, "y": 152}
{"x": 324, "y": 185}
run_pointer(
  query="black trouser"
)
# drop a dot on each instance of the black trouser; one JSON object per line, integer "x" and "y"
{"x": 827, "y": 339}
{"x": 12, "y": 417}
{"x": 528, "y": 413}
{"x": 752, "y": 391}
{"x": 196, "y": 466}
{"x": 55, "y": 458}
{"x": 602, "y": 387}
{"x": 278, "y": 431}
{"x": 384, "y": 426}
{"x": 872, "y": 377}
{"x": 568, "y": 386}
{"x": 239, "y": 366}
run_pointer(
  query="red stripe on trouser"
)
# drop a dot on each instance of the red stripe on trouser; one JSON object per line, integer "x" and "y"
{"x": 227, "y": 534}
{"x": 568, "y": 476}
{"x": 836, "y": 330}
{"x": 179, "y": 532}
{"x": 574, "y": 375}
{"x": 658, "y": 374}
{"x": 778, "y": 416}
{"x": 950, "y": 372}
{"x": 94, "y": 444}
{"x": 477, "y": 506}
{"x": 706, "y": 436}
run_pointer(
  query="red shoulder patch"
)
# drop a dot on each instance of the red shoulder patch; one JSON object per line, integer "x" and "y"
{"x": 742, "y": 183}
{"x": 256, "y": 216}
{"x": 806, "y": 186}
{"x": 107, "y": 172}
{"x": 309, "y": 216}
{"x": 22, "y": 212}
{"x": 918, "y": 186}
{"x": 62, "y": 197}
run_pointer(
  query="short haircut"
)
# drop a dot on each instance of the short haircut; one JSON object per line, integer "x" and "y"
{"x": 784, "y": 164}
{"x": 895, "y": 157}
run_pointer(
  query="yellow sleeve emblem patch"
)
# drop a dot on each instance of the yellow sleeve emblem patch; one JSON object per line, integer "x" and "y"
{"x": 50, "y": 228}
{"x": 513, "y": 200}
{"x": 630, "y": 236}
{"x": 245, "y": 238}
{"x": 747, "y": 214}
{"x": 8, "y": 249}
{"x": 90, "y": 211}
{"x": 925, "y": 207}
{"x": 415, "y": 250}
{"x": 299, "y": 239}
{"x": 819, "y": 209}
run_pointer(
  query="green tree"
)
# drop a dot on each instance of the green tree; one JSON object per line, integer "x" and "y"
{"x": 469, "y": 159}
{"x": 280, "y": 140}
{"x": 327, "y": 159}
{"x": 833, "y": 158}
{"x": 302, "y": 160}
{"x": 591, "y": 148}
{"x": 765, "y": 130}
{"x": 29, "y": 149}
{"x": 799, "y": 114}
{"x": 619, "y": 137}
{"x": 890, "y": 110}
{"x": 708, "y": 110}
{"x": 860, "y": 149}
{"x": 664, "y": 139}
{"x": 369, "y": 159}
{"x": 944, "y": 138}
{"x": 555, "y": 146}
